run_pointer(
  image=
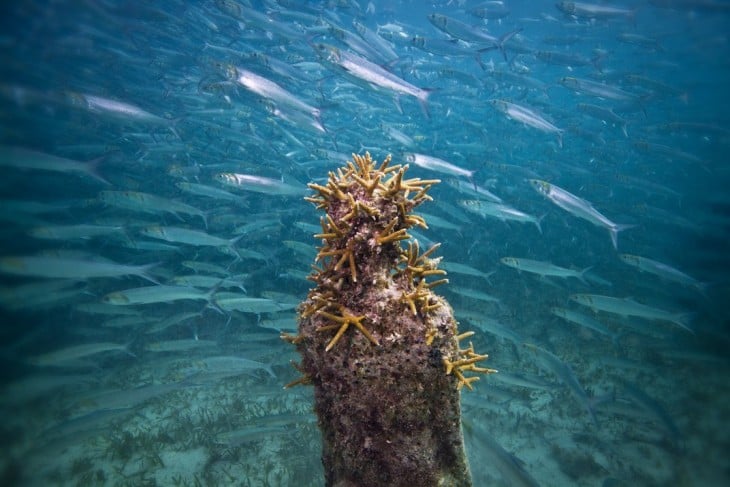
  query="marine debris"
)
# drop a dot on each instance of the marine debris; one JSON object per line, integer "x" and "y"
{"x": 381, "y": 349}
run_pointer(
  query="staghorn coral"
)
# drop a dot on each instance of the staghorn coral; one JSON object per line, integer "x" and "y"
{"x": 381, "y": 349}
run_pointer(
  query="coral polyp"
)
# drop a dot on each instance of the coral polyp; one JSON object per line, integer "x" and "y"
{"x": 380, "y": 347}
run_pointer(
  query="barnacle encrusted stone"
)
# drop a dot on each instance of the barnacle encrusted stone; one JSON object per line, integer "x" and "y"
{"x": 381, "y": 349}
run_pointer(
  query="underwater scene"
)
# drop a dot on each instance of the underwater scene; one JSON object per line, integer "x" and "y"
{"x": 164, "y": 165}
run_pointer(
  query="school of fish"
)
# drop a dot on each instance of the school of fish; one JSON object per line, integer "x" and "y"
{"x": 156, "y": 241}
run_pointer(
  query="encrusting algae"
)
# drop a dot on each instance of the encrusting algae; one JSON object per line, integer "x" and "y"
{"x": 381, "y": 349}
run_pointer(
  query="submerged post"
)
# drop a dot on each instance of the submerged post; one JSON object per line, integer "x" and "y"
{"x": 381, "y": 349}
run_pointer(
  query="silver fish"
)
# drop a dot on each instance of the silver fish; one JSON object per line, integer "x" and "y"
{"x": 548, "y": 361}
{"x": 605, "y": 115}
{"x": 155, "y": 294}
{"x": 653, "y": 407}
{"x": 593, "y": 11}
{"x": 210, "y": 192}
{"x": 181, "y": 345}
{"x": 579, "y": 207}
{"x": 229, "y": 365}
{"x": 115, "y": 108}
{"x": 542, "y": 268}
{"x": 69, "y": 268}
{"x": 467, "y": 270}
{"x": 271, "y": 90}
{"x": 583, "y": 320}
{"x": 491, "y": 326}
{"x": 364, "y": 70}
{"x": 68, "y": 355}
{"x": 237, "y": 302}
{"x": 500, "y": 211}
{"x": 208, "y": 282}
{"x": 466, "y": 32}
{"x": 600, "y": 90}
{"x": 70, "y": 232}
{"x": 437, "y": 165}
{"x": 509, "y": 466}
{"x": 474, "y": 294}
{"x": 149, "y": 203}
{"x": 662, "y": 270}
{"x": 259, "y": 184}
{"x": 629, "y": 307}
{"x": 529, "y": 117}
{"x": 473, "y": 190}
{"x": 190, "y": 237}
{"x": 528, "y": 381}
{"x": 22, "y": 158}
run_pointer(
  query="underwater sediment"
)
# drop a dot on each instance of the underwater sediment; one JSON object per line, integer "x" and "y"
{"x": 379, "y": 346}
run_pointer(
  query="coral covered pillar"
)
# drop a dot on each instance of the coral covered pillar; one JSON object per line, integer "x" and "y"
{"x": 381, "y": 349}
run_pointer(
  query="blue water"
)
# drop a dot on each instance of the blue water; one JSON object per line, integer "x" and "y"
{"x": 141, "y": 98}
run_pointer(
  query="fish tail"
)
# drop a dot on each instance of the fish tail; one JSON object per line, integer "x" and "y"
{"x": 619, "y": 227}
{"x": 126, "y": 349}
{"x": 144, "y": 272}
{"x": 92, "y": 169}
{"x": 234, "y": 241}
{"x": 597, "y": 61}
{"x": 423, "y": 101}
{"x": 683, "y": 320}
{"x": 614, "y": 237}
{"x": 210, "y": 295}
{"x": 173, "y": 127}
{"x": 471, "y": 179}
{"x": 504, "y": 38}
{"x": 582, "y": 274}
{"x": 702, "y": 288}
{"x": 616, "y": 339}
{"x": 538, "y": 223}
{"x": 590, "y": 405}
{"x": 320, "y": 125}
{"x": 269, "y": 370}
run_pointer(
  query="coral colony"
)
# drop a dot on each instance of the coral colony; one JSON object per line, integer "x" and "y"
{"x": 381, "y": 349}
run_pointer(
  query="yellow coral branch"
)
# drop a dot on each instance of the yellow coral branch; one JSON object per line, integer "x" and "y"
{"x": 391, "y": 237}
{"x": 345, "y": 321}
